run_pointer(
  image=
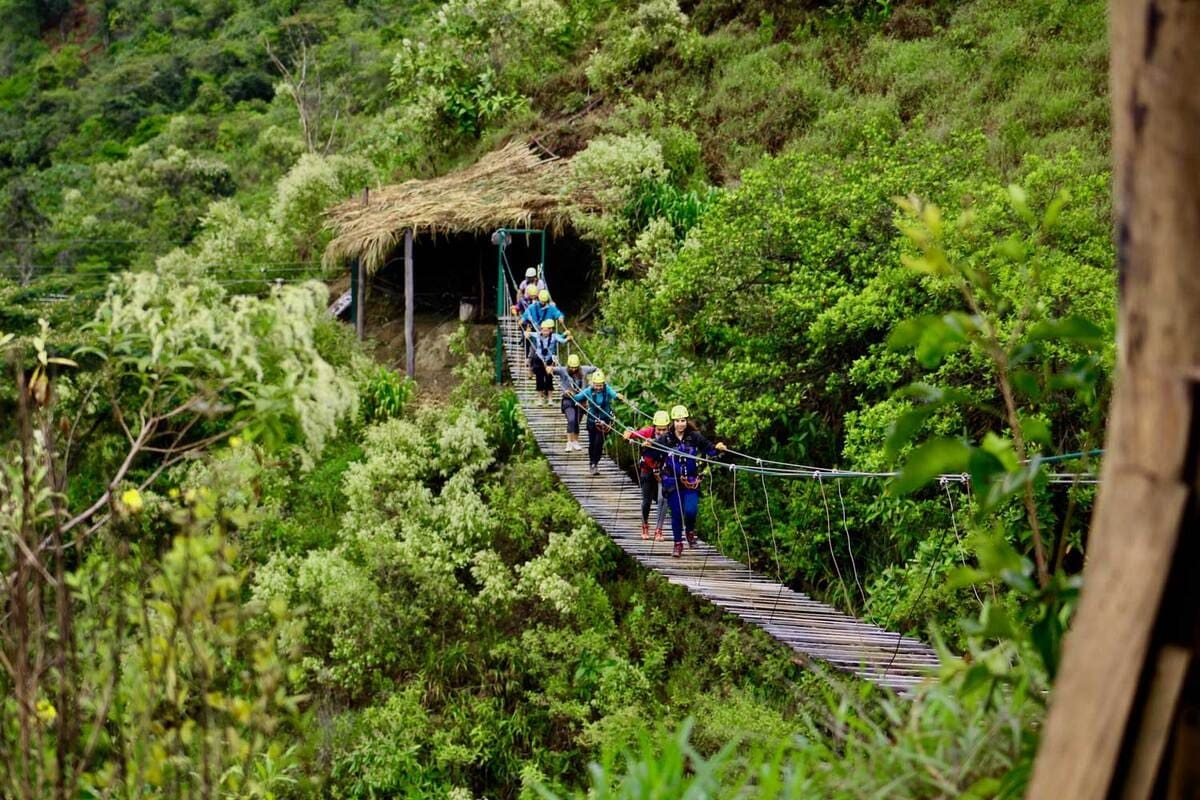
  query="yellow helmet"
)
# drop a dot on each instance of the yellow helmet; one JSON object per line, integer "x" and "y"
{"x": 661, "y": 419}
{"x": 547, "y": 324}
{"x": 531, "y": 290}
{"x": 598, "y": 377}
{"x": 544, "y": 295}
{"x": 679, "y": 412}
{"x": 573, "y": 361}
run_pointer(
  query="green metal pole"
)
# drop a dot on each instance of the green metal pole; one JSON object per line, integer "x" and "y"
{"x": 500, "y": 312}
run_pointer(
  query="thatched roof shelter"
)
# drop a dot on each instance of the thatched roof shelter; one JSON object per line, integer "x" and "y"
{"x": 513, "y": 187}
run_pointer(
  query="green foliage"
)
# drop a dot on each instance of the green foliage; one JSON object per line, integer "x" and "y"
{"x": 166, "y": 681}
{"x": 188, "y": 349}
{"x": 465, "y": 632}
{"x": 384, "y": 395}
{"x": 632, "y": 42}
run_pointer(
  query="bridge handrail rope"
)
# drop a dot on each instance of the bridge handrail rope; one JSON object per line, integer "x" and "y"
{"x": 763, "y": 468}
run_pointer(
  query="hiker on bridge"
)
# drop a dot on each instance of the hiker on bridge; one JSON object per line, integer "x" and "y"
{"x": 600, "y": 418}
{"x": 647, "y": 479}
{"x": 544, "y": 357}
{"x": 525, "y": 299}
{"x": 540, "y": 310}
{"x": 572, "y": 379}
{"x": 531, "y": 279}
{"x": 675, "y": 454}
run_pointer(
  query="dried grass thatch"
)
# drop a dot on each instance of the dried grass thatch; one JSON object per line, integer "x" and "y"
{"x": 512, "y": 187}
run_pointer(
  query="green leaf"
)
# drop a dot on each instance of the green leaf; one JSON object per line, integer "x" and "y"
{"x": 998, "y": 559}
{"x": 1026, "y": 382}
{"x": 1036, "y": 429}
{"x": 929, "y": 460}
{"x": 1047, "y": 635}
{"x": 1019, "y": 201}
{"x": 905, "y": 427}
{"x": 1071, "y": 328}
{"x": 993, "y": 623}
{"x": 1001, "y": 447}
{"x": 1013, "y": 249}
{"x": 962, "y": 577}
{"x": 1050, "y": 218}
{"x": 933, "y": 338}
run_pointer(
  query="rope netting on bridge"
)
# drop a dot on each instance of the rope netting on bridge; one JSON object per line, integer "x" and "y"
{"x": 811, "y": 628}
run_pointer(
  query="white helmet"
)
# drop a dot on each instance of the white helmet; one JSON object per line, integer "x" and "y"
{"x": 531, "y": 272}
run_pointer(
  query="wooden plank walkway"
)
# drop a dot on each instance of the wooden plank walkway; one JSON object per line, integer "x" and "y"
{"x": 812, "y": 629}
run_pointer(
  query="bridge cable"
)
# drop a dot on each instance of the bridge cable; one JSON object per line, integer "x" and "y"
{"x": 849, "y": 546}
{"x": 829, "y": 539}
{"x": 962, "y": 554}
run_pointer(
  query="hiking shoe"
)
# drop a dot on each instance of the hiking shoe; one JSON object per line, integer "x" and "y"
{"x": 658, "y": 534}
{"x": 691, "y": 537}
{"x": 645, "y": 530}
{"x": 678, "y": 551}
{"x": 567, "y": 448}
{"x": 594, "y": 469}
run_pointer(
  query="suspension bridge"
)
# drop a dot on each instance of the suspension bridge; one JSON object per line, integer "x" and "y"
{"x": 814, "y": 630}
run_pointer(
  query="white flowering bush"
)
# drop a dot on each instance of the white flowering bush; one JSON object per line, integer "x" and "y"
{"x": 312, "y": 185}
{"x": 195, "y": 351}
{"x": 610, "y": 171}
{"x": 656, "y": 25}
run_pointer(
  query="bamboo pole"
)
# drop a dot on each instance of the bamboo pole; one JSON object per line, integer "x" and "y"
{"x": 1124, "y": 708}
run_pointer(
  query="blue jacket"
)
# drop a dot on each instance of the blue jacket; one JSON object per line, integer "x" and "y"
{"x": 540, "y": 311}
{"x": 601, "y": 403}
{"x": 676, "y": 458}
{"x": 546, "y": 347}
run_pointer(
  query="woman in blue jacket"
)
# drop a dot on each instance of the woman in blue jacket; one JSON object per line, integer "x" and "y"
{"x": 599, "y": 399}
{"x": 676, "y": 454}
{"x": 540, "y": 311}
{"x": 544, "y": 357}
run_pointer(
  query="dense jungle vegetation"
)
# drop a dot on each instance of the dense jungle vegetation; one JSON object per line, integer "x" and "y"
{"x": 244, "y": 559}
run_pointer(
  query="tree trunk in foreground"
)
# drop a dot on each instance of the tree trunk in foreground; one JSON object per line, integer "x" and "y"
{"x": 1123, "y": 715}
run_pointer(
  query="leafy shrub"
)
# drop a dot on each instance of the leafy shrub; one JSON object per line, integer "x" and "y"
{"x": 384, "y": 395}
{"x": 653, "y": 26}
{"x": 311, "y": 186}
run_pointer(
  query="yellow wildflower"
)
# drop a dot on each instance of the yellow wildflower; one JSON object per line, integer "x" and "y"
{"x": 46, "y": 711}
{"x": 132, "y": 500}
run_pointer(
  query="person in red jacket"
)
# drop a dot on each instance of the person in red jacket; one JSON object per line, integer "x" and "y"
{"x": 651, "y": 488}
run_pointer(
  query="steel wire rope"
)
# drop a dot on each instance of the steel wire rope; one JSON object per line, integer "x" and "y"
{"x": 737, "y": 514}
{"x": 829, "y": 540}
{"x": 850, "y": 547}
{"x": 790, "y": 469}
{"x": 962, "y": 555}
{"x": 774, "y": 544}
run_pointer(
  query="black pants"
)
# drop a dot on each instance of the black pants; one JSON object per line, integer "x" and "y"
{"x": 545, "y": 382}
{"x": 596, "y": 435}
{"x": 651, "y": 493}
{"x": 572, "y": 413}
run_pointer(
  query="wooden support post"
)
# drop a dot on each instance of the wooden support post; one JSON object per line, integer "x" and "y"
{"x": 353, "y": 289}
{"x": 1123, "y": 713}
{"x": 360, "y": 298}
{"x": 409, "y": 351}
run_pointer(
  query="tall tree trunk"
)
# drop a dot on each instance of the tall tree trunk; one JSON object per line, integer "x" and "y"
{"x": 1123, "y": 711}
